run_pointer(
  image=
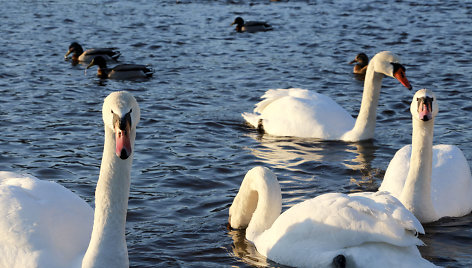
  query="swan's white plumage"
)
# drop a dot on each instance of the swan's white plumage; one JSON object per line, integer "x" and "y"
{"x": 302, "y": 113}
{"x": 43, "y": 224}
{"x": 451, "y": 180}
{"x": 432, "y": 181}
{"x": 369, "y": 229}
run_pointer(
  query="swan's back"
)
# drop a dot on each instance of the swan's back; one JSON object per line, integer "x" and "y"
{"x": 42, "y": 224}
{"x": 301, "y": 113}
{"x": 319, "y": 229}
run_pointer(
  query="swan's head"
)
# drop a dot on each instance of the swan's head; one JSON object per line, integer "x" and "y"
{"x": 389, "y": 64}
{"x": 258, "y": 203}
{"x": 121, "y": 115}
{"x": 424, "y": 106}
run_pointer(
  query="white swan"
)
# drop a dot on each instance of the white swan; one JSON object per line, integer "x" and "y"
{"x": 356, "y": 230}
{"x": 302, "y": 113}
{"x": 42, "y": 224}
{"x": 431, "y": 181}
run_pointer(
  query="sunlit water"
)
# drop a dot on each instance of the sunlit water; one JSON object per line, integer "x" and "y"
{"x": 193, "y": 148}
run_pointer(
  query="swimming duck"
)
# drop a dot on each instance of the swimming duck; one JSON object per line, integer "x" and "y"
{"x": 368, "y": 229}
{"x": 361, "y": 61}
{"x": 79, "y": 55}
{"x": 251, "y": 26}
{"x": 431, "y": 181}
{"x": 120, "y": 72}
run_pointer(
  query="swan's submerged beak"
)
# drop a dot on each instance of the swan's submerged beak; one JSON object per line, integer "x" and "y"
{"x": 425, "y": 108}
{"x": 399, "y": 74}
{"x": 122, "y": 138}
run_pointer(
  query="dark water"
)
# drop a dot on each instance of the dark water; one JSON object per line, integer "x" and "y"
{"x": 193, "y": 147}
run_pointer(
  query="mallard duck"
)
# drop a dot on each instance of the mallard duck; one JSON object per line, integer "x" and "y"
{"x": 361, "y": 61}
{"x": 251, "y": 26}
{"x": 120, "y": 72}
{"x": 79, "y": 55}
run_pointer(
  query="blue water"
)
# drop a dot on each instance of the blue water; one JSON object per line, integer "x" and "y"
{"x": 193, "y": 148}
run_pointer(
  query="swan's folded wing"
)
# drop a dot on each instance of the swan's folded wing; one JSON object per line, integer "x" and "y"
{"x": 301, "y": 113}
{"x": 389, "y": 208}
{"x": 451, "y": 181}
{"x": 397, "y": 171}
{"x": 42, "y": 224}
{"x": 269, "y": 97}
{"x": 321, "y": 228}
{"x": 337, "y": 220}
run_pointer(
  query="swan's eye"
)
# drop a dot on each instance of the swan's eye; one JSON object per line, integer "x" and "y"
{"x": 397, "y": 67}
{"x": 425, "y": 101}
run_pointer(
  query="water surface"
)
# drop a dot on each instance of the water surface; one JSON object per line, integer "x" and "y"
{"x": 193, "y": 148}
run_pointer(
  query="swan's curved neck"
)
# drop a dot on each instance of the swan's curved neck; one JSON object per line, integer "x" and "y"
{"x": 107, "y": 246}
{"x": 365, "y": 123}
{"x": 416, "y": 194}
{"x": 258, "y": 203}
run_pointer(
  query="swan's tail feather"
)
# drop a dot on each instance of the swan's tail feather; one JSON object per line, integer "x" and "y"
{"x": 270, "y": 96}
{"x": 252, "y": 119}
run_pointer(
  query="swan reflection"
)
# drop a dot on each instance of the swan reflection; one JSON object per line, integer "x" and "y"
{"x": 349, "y": 160}
{"x": 364, "y": 156}
{"x": 245, "y": 250}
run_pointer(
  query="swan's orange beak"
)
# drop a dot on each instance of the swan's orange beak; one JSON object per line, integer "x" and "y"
{"x": 123, "y": 143}
{"x": 400, "y": 76}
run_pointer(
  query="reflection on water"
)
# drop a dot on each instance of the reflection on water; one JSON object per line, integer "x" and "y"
{"x": 448, "y": 242}
{"x": 296, "y": 154}
{"x": 364, "y": 156}
{"x": 246, "y": 250}
{"x": 286, "y": 152}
